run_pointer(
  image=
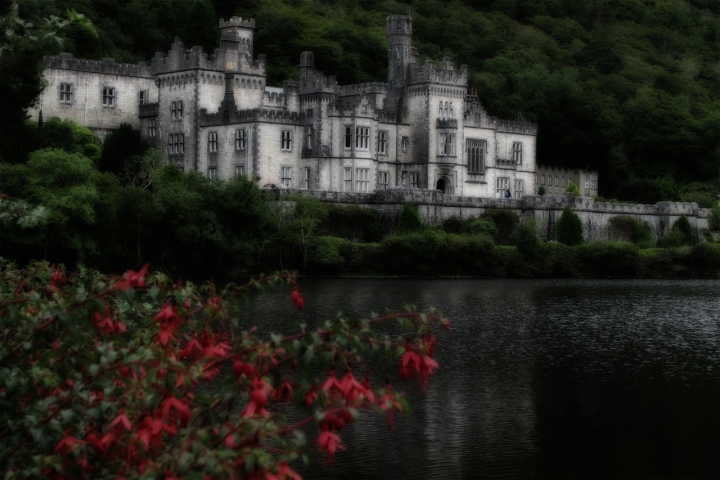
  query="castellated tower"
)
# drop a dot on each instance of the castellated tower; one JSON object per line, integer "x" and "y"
{"x": 398, "y": 29}
{"x": 237, "y": 34}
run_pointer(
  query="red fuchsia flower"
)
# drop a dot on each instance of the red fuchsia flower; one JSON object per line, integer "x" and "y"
{"x": 297, "y": 298}
{"x": 150, "y": 429}
{"x": 68, "y": 443}
{"x": 169, "y": 323}
{"x": 258, "y": 399}
{"x": 310, "y": 396}
{"x": 132, "y": 279}
{"x": 56, "y": 279}
{"x": 283, "y": 391}
{"x": 174, "y": 404}
{"x": 332, "y": 386}
{"x": 241, "y": 368}
{"x": 329, "y": 442}
{"x": 122, "y": 419}
{"x": 355, "y": 390}
{"x": 284, "y": 473}
{"x": 107, "y": 324}
{"x": 413, "y": 364}
{"x": 387, "y": 402}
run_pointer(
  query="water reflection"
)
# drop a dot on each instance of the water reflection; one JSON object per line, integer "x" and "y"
{"x": 541, "y": 379}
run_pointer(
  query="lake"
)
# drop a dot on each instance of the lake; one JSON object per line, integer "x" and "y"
{"x": 544, "y": 379}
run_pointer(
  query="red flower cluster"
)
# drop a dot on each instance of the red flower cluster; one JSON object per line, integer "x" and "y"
{"x": 107, "y": 324}
{"x": 258, "y": 399}
{"x": 297, "y": 298}
{"x": 169, "y": 323}
{"x": 329, "y": 442}
{"x": 56, "y": 279}
{"x": 421, "y": 364}
{"x": 132, "y": 279}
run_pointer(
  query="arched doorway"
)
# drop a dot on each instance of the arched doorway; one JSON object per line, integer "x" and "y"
{"x": 442, "y": 185}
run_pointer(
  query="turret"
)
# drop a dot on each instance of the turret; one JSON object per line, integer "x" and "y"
{"x": 236, "y": 34}
{"x": 307, "y": 65}
{"x": 398, "y": 29}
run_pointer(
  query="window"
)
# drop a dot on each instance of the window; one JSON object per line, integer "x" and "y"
{"x": 476, "y": 155}
{"x": 176, "y": 143}
{"x": 109, "y": 97}
{"x": 239, "y": 170}
{"x": 383, "y": 180}
{"x": 405, "y": 143}
{"x": 447, "y": 144}
{"x": 517, "y": 152}
{"x": 212, "y": 172}
{"x": 415, "y": 180}
{"x": 557, "y": 181}
{"x": 176, "y": 110}
{"x": 347, "y": 183}
{"x": 536, "y": 179}
{"x": 240, "y": 139}
{"x": 212, "y": 143}
{"x": 286, "y": 140}
{"x": 152, "y": 128}
{"x": 440, "y": 108}
{"x": 542, "y": 180}
{"x": 144, "y": 97}
{"x": 451, "y": 109}
{"x": 519, "y": 188}
{"x": 382, "y": 143}
{"x": 309, "y": 136}
{"x": 362, "y": 137}
{"x": 286, "y": 176}
{"x": 309, "y": 112}
{"x": 502, "y": 185}
{"x": 564, "y": 182}
{"x": 66, "y": 93}
{"x": 362, "y": 179}
{"x": 348, "y": 137}
{"x": 305, "y": 178}
{"x": 446, "y": 108}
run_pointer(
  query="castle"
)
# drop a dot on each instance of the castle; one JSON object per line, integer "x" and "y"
{"x": 216, "y": 114}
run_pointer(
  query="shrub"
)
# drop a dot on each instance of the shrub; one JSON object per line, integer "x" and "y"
{"x": 454, "y": 224}
{"x": 410, "y": 220}
{"x": 541, "y": 190}
{"x": 683, "y": 230}
{"x": 707, "y": 259}
{"x": 505, "y": 221}
{"x": 525, "y": 238}
{"x": 353, "y": 223}
{"x": 714, "y": 218}
{"x": 569, "y": 228}
{"x": 482, "y": 226}
{"x": 154, "y": 378}
{"x": 572, "y": 189}
{"x": 610, "y": 259}
{"x": 632, "y": 229}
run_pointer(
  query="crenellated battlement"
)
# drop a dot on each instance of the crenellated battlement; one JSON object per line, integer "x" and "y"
{"x": 237, "y": 22}
{"x": 267, "y": 115}
{"x": 398, "y": 25}
{"x": 445, "y": 74}
{"x": 476, "y": 116}
{"x": 361, "y": 89}
{"x": 317, "y": 84}
{"x": 105, "y": 65}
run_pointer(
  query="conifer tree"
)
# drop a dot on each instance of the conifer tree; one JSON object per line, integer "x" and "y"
{"x": 569, "y": 228}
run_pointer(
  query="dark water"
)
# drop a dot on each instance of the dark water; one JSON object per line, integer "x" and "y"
{"x": 540, "y": 379}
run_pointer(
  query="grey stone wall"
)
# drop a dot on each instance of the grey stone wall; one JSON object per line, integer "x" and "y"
{"x": 435, "y": 207}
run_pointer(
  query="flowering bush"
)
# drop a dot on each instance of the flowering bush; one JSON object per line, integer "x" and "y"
{"x": 138, "y": 376}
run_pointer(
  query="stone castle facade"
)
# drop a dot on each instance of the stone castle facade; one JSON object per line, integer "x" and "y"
{"x": 556, "y": 180}
{"x": 216, "y": 114}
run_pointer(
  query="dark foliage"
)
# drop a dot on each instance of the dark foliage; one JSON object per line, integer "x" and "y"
{"x": 409, "y": 220}
{"x": 569, "y": 228}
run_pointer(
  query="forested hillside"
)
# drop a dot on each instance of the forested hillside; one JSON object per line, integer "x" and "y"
{"x": 629, "y": 87}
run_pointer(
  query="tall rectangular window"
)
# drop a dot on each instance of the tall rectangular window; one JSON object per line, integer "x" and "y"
{"x": 309, "y": 136}
{"x": 362, "y": 138}
{"x": 108, "y": 95}
{"x": 212, "y": 142}
{"x": 305, "y": 178}
{"x": 176, "y": 143}
{"x": 383, "y": 180}
{"x": 519, "y": 188}
{"x": 414, "y": 180}
{"x": 362, "y": 179}
{"x": 286, "y": 144}
{"x": 517, "y": 152}
{"x": 152, "y": 128}
{"x": 564, "y": 182}
{"x": 476, "y": 155}
{"x": 557, "y": 181}
{"x": 240, "y": 139}
{"x": 286, "y": 176}
{"x": 144, "y": 97}
{"x": 404, "y": 144}
{"x": 348, "y": 137}
{"x": 347, "y": 180}
{"x": 502, "y": 185}
{"x": 239, "y": 170}
{"x": 66, "y": 93}
{"x": 382, "y": 143}
{"x": 446, "y": 145}
{"x": 212, "y": 172}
